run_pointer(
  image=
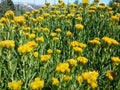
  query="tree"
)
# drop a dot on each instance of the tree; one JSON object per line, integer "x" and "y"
{"x": 6, "y": 5}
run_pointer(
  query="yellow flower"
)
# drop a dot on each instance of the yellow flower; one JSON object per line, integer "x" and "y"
{"x": 63, "y": 67}
{"x": 85, "y": 1}
{"x": 77, "y": 49}
{"x": 55, "y": 39}
{"x": 79, "y": 19}
{"x": 35, "y": 11}
{"x": 74, "y": 44}
{"x": 79, "y": 79}
{"x": 49, "y": 51}
{"x": 45, "y": 29}
{"x": 82, "y": 45}
{"x": 72, "y": 62}
{"x": 58, "y": 30}
{"x": 70, "y": 15}
{"x": 37, "y": 84}
{"x": 35, "y": 54}
{"x": 53, "y": 34}
{"x": 19, "y": 19}
{"x": 109, "y": 75}
{"x": 47, "y": 3}
{"x": 58, "y": 51}
{"x": 9, "y": 14}
{"x": 45, "y": 58}
{"x": 91, "y": 78}
{"x": 110, "y": 41}
{"x": 40, "y": 39}
{"x": 66, "y": 78}
{"x": 28, "y": 47}
{"x": 79, "y": 27}
{"x": 114, "y": 19}
{"x": 46, "y": 15}
{"x": 26, "y": 28}
{"x": 91, "y": 11}
{"x": 31, "y": 36}
{"x": 116, "y": 60}
{"x": 69, "y": 34}
{"x": 94, "y": 85}
{"x": 94, "y": 42}
{"x": 7, "y": 44}
{"x": 82, "y": 60}
{"x": 15, "y": 85}
{"x": 55, "y": 81}
{"x": 3, "y": 20}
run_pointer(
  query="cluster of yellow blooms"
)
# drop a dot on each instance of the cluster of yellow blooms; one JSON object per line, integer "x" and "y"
{"x": 95, "y": 41}
{"x": 90, "y": 77}
{"x": 49, "y": 51}
{"x": 55, "y": 81}
{"x": 72, "y": 62}
{"x": 9, "y": 14}
{"x": 116, "y": 60}
{"x": 37, "y": 84}
{"x": 83, "y": 60}
{"x": 63, "y": 68}
{"x": 7, "y": 44}
{"x": 79, "y": 27}
{"x": 110, "y": 41}
{"x": 28, "y": 47}
{"x": 77, "y": 46}
{"x": 45, "y": 58}
{"x": 15, "y": 85}
{"x": 19, "y": 19}
{"x": 40, "y": 39}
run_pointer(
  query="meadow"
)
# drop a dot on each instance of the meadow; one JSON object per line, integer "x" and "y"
{"x": 61, "y": 47}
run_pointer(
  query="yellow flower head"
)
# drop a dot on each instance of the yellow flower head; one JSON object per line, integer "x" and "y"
{"x": 36, "y": 54}
{"x": 79, "y": 79}
{"x": 110, "y": 41}
{"x": 94, "y": 42}
{"x": 58, "y": 30}
{"x": 53, "y": 34}
{"x": 40, "y": 39}
{"x": 91, "y": 78}
{"x": 85, "y": 2}
{"x": 19, "y": 19}
{"x": 9, "y": 14}
{"x": 58, "y": 51}
{"x": 55, "y": 39}
{"x": 72, "y": 62}
{"x": 37, "y": 84}
{"x": 15, "y": 85}
{"x": 115, "y": 60}
{"x": 63, "y": 67}
{"x": 49, "y": 51}
{"x": 82, "y": 60}
{"x": 79, "y": 27}
{"x": 45, "y": 58}
{"x": 78, "y": 49}
{"x": 66, "y": 78}
{"x": 55, "y": 81}
{"x": 7, "y": 44}
{"x": 110, "y": 75}
{"x": 69, "y": 34}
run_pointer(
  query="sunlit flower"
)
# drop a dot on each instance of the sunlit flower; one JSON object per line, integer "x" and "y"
{"x": 55, "y": 81}
{"x": 37, "y": 84}
{"x": 15, "y": 85}
{"x": 109, "y": 75}
{"x": 83, "y": 60}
